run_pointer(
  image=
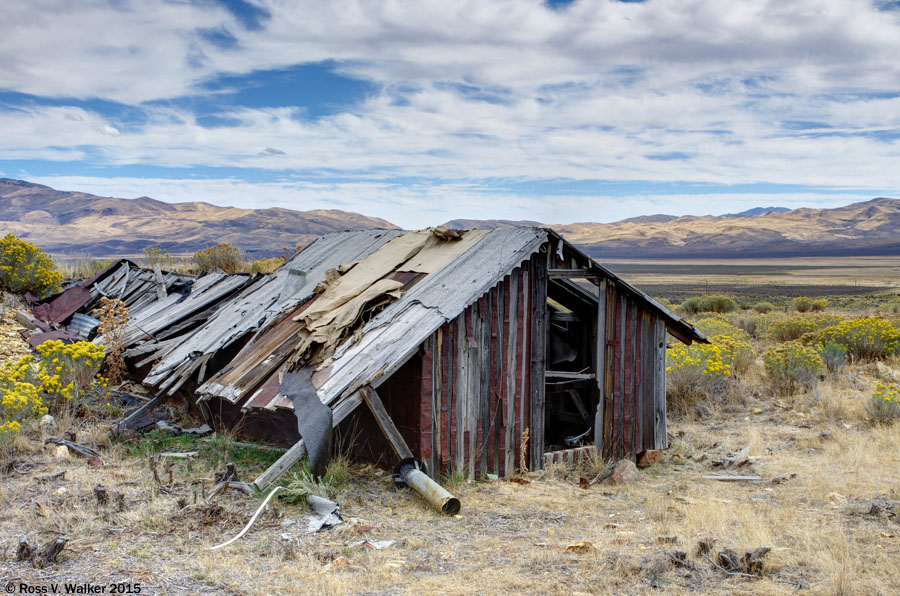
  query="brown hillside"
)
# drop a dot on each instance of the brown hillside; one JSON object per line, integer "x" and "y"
{"x": 62, "y": 221}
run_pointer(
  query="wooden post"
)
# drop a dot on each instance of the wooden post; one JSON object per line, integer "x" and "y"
{"x": 512, "y": 396}
{"x": 437, "y": 398}
{"x": 538, "y": 363}
{"x": 600, "y": 366}
{"x": 160, "y": 282}
{"x": 660, "y": 437}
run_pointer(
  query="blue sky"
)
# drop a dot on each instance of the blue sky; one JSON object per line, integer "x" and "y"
{"x": 421, "y": 112}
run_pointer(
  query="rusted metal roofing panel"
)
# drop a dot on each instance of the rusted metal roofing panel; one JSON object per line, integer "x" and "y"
{"x": 257, "y": 306}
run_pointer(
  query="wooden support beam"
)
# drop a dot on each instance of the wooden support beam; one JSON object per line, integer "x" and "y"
{"x": 577, "y": 273}
{"x": 539, "y": 321}
{"x": 565, "y": 317}
{"x": 296, "y": 453}
{"x": 385, "y": 423}
{"x": 564, "y": 374}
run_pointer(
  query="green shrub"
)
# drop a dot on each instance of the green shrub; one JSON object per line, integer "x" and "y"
{"x": 763, "y": 307}
{"x": 222, "y": 256}
{"x": 833, "y": 354}
{"x": 819, "y": 305}
{"x": 884, "y": 405}
{"x": 791, "y": 327}
{"x": 718, "y": 304}
{"x": 792, "y": 366}
{"x": 24, "y": 267}
{"x": 869, "y": 338}
{"x": 802, "y": 304}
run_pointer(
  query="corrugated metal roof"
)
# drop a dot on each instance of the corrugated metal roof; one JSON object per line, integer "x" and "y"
{"x": 258, "y": 305}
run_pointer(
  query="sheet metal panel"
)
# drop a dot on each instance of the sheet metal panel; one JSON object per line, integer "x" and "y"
{"x": 258, "y": 305}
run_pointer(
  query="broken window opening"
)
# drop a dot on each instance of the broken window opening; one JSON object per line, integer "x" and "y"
{"x": 570, "y": 379}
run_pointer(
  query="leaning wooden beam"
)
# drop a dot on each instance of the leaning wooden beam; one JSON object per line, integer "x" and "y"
{"x": 576, "y": 273}
{"x": 385, "y": 423}
{"x": 129, "y": 421}
{"x": 296, "y": 453}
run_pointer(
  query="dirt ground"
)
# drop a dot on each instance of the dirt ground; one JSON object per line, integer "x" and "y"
{"x": 827, "y": 504}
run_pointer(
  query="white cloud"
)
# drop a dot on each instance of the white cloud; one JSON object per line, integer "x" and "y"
{"x": 586, "y": 93}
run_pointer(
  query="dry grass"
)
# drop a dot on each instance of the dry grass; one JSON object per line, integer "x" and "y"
{"x": 821, "y": 468}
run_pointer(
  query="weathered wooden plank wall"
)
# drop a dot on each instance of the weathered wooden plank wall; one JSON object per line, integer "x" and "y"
{"x": 476, "y": 383}
{"x": 632, "y": 381}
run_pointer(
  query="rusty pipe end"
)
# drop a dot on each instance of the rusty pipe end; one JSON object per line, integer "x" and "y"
{"x": 412, "y": 473}
{"x": 451, "y": 506}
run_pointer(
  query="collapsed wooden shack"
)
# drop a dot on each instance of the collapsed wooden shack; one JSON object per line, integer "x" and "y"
{"x": 474, "y": 351}
{"x": 461, "y": 344}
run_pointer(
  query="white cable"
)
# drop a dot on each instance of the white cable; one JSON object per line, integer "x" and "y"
{"x": 250, "y": 523}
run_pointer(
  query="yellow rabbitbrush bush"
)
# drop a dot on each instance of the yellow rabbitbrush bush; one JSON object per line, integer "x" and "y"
{"x": 64, "y": 374}
{"x": 703, "y": 370}
{"x": 733, "y": 341}
{"x": 870, "y": 338}
{"x": 20, "y": 398}
{"x": 718, "y": 325}
{"x": 884, "y": 405}
{"x": 67, "y": 371}
{"x": 266, "y": 265}
{"x": 24, "y": 267}
{"x": 792, "y": 366}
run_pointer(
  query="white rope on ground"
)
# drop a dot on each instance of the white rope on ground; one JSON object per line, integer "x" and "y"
{"x": 250, "y": 523}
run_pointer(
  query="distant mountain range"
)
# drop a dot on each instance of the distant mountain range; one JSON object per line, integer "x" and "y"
{"x": 75, "y": 222}
{"x": 757, "y": 211}
{"x": 866, "y": 228}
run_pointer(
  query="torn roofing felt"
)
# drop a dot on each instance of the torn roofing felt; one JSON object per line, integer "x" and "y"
{"x": 345, "y": 300}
